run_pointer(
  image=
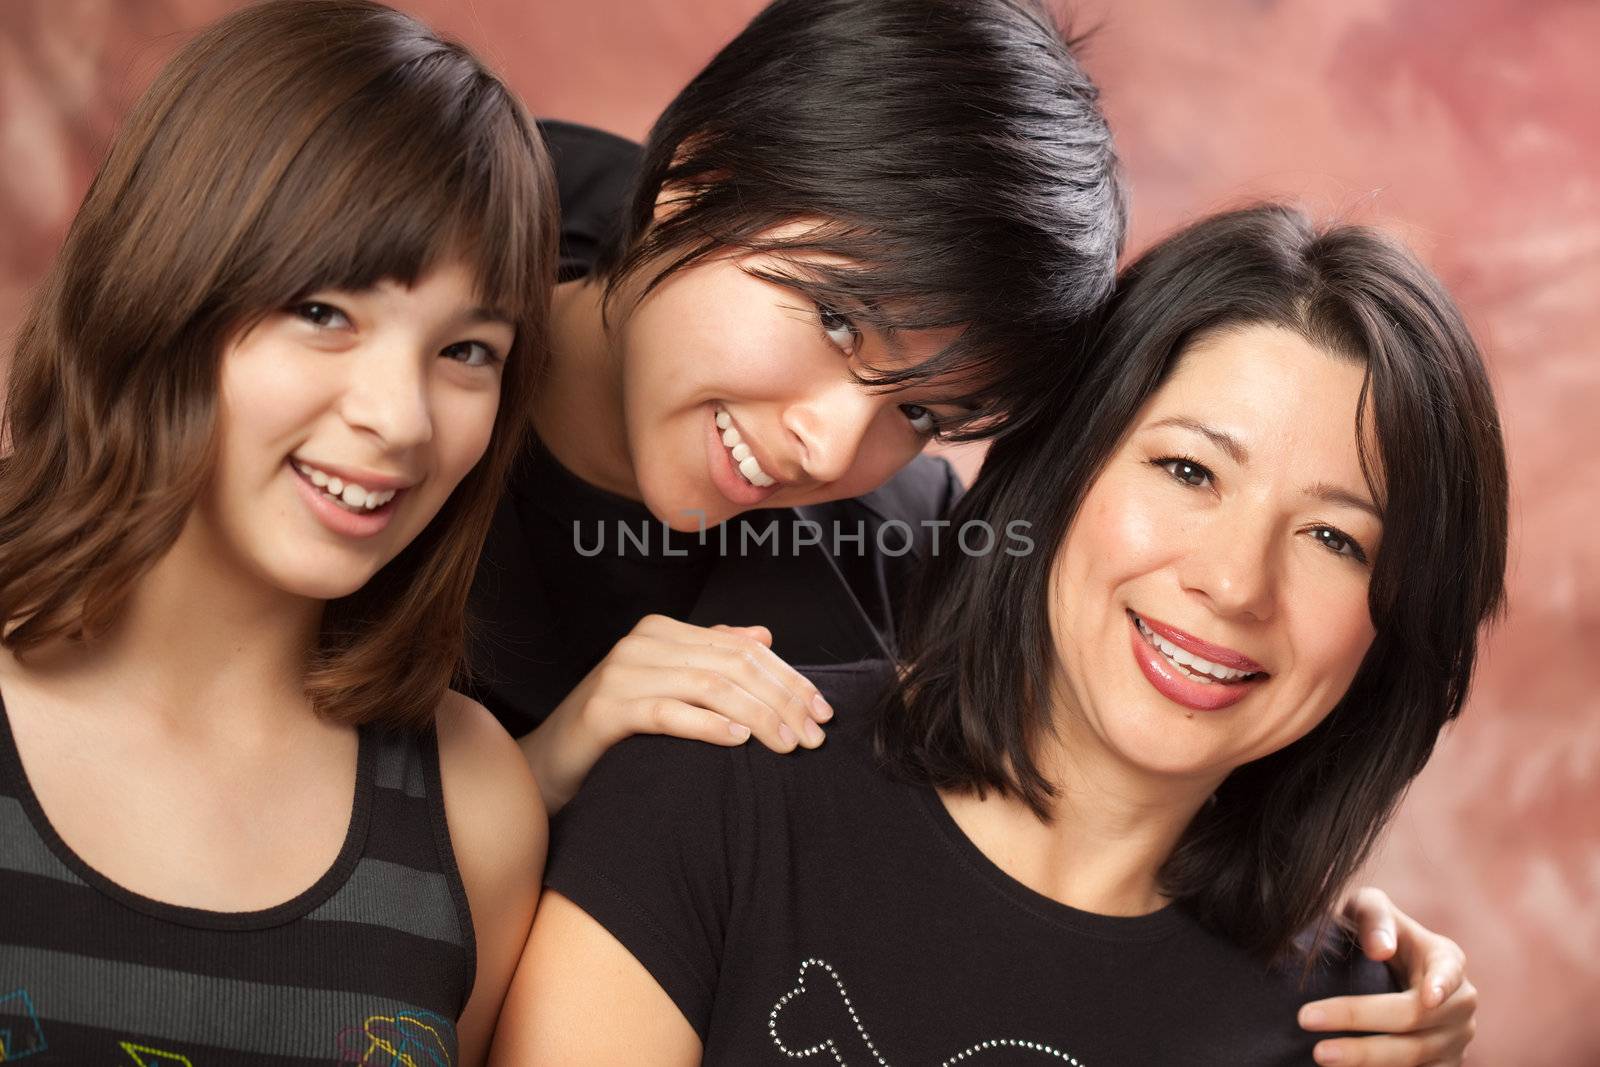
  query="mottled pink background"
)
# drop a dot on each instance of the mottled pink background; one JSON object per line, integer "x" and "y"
{"x": 1471, "y": 126}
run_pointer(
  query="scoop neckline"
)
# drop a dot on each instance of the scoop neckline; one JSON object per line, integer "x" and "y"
{"x": 297, "y": 906}
{"x": 1152, "y": 926}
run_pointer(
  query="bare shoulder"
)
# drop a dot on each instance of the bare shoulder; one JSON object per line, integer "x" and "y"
{"x": 498, "y": 832}
{"x": 492, "y": 802}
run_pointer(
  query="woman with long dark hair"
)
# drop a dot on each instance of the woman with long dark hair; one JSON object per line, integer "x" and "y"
{"x": 259, "y": 417}
{"x": 864, "y": 225}
{"x": 1120, "y": 780}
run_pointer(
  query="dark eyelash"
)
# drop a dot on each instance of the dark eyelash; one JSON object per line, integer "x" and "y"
{"x": 1357, "y": 553}
{"x": 1160, "y": 463}
{"x": 301, "y": 308}
{"x": 824, "y": 313}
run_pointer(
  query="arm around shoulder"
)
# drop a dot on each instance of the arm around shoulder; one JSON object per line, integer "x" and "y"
{"x": 498, "y": 831}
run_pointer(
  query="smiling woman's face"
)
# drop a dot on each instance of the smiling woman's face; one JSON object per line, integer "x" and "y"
{"x": 385, "y": 396}
{"x": 738, "y": 393}
{"x": 1230, "y": 535}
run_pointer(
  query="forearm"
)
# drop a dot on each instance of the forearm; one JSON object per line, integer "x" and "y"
{"x": 561, "y": 751}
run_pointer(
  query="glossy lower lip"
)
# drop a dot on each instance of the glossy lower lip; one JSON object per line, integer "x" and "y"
{"x": 729, "y": 482}
{"x": 340, "y": 520}
{"x": 1176, "y": 686}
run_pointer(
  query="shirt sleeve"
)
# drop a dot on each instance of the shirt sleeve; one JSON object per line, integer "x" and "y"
{"x": 652, "y": 848}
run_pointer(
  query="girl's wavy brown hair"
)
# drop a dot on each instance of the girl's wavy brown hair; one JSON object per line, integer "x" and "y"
{"x": 294, "y": 146}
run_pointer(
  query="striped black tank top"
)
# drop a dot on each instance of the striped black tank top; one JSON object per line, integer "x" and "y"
{"x": 371, "y": 965}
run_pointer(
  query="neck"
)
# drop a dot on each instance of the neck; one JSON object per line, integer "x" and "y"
{"x": 578, "y": 412}
{"x": 1111, "y": 829}
{"x": 197, "y": 644}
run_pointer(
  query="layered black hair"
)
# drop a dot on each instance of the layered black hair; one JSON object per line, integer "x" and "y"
{"x": 1285, "y": 833}
{"x": 951, "y": 150}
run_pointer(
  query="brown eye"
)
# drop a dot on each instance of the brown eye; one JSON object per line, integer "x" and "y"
{"x": 322, "y": 316}
{"x": 1339, "y": 543}
{"x": 1186, "y": 471}
{"x": 472, "y": 353}
{"x": 838, "y": 328}
{"x": 922, "y": 420}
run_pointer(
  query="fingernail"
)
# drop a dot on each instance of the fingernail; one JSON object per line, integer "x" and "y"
{"x": 813, "y": 734}
{"x": 740, "y": 732}
{"x": 1312, "y": 1017}
{"x": 1328, "y": 1054}
{"x": 821, "y": 709}
{"x": 1435, "y": 994}
{"x": 786, "y": 735}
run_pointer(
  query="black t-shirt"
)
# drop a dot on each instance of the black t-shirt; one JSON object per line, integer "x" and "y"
{"x": 810, "y": 905}
{"x": 552, "y": 598}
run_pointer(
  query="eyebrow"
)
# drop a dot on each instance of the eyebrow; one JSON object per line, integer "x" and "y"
{"x": 1222, "y": 439}
{"x": 1328, "y": 494}
{"x": 1332, "y": 494}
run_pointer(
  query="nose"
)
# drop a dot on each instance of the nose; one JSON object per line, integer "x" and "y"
{"x": 1232, "y": 566}
{"x": 830, "y": 426}
{"x": 387, "y": 396}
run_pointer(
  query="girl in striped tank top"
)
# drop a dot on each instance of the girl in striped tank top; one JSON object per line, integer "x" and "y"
{"x": 257, "y": 420}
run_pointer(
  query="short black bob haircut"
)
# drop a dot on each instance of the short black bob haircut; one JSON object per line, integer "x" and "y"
{"x": 952, "y": 150}
{"x": 1268, "y": 857}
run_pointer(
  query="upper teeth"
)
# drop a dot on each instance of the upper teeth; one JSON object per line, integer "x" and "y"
{"x": 351, "y": 494}
{"x": 1188, "y": 659}
{"x": 743, "y": 458}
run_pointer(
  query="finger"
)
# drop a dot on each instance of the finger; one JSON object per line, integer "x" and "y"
{"x": 1374, "y": 916}
{"x": 793, "y": 699}
{"x": 1391, "y": 1013}
{"x": 791, "y": 694}
{"x": 675, "y": 718}
{"x": 1387, "y": 1050}
{"x": 1388, "y": 1013}
{"x": 1434, "y": 964}
{"x": 759, "y": 633}
{"x": 709, "y": 687}
{"x": 762, "y": 671}
{"x": 642, "y": 667}
{"x": 1445, "y": 975}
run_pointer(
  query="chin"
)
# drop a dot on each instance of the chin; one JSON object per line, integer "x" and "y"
{"x": 326, "y": 586}
{"x": 321, "y": 577}
{"x": 1172, "y": 749}
{"x": 680, "y": 505}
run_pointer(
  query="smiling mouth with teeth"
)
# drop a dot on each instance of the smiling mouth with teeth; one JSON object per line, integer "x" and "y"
{"x": 744, "y": 461}
{"x": 348, "y": 495}
{"x": 1194, "y": 667}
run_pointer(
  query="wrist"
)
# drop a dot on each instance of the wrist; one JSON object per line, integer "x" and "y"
{"x": 562, "y": 750}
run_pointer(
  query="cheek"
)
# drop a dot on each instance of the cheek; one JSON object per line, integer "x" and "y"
{"x": 886, "y": 448}
{"x": 1117, "y": 534}
{"x": 463, "y": 425}
{"x": 265, "y": 397}
{"x": 1340, "y": 633}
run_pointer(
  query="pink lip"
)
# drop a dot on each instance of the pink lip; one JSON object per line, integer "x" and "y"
{"x": 1223, "y": 657}
{"x": 1178, "y": 687}
{"x": 729, "y": 482}
{"x": 338, "y": 519}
